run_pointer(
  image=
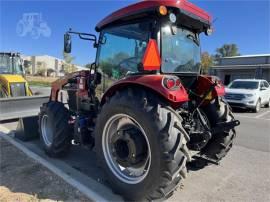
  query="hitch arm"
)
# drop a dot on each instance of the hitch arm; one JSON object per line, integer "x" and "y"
{"x": 223, "y": 126}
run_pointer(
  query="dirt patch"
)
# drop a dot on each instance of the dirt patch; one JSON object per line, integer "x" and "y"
{"x": 23, "y": 179}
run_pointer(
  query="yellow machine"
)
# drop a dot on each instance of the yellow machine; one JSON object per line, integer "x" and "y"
{"x": 12, "y": 81}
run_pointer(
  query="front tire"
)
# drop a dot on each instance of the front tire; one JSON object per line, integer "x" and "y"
{"x": 162, "y": 147}
{"x": 55, "y": 133}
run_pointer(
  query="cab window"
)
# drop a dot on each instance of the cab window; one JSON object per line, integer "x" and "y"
{"x": 121, "y": 51}
{"x": 261, "y": 84}
{"x": 266, "y": 84}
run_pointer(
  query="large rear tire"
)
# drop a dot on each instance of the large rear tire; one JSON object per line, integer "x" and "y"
{"x": 55, "y": 133}
{"x": 160, "y": 134}
{"x": 221, "y": 143}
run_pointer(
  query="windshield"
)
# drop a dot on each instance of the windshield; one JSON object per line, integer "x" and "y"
{"x": 10, "y": 65}
{"x": 5, "y": 64}
{"x": 244, "y": 85}
{"x": 180, "y": 50}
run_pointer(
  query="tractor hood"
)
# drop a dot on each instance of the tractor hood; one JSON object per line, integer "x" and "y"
{"x": 240, "y": 91}
{"x": 147, "y": 7}
{"x": 12, "y": 78}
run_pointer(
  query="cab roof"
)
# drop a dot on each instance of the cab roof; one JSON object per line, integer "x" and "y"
{"x": 147, "y": 5}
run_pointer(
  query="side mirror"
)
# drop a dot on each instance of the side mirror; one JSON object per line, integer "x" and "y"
{"x": 209, "y": 31}
{"x": 263, "y": 88}
{"x": 67, "y": 43}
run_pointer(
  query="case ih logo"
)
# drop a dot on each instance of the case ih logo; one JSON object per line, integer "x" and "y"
{"x": 32, "y": 24}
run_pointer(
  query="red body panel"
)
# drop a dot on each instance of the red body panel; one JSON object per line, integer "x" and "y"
{"x": 153, "y": 82}
{"x": 144, "y": 5}
{"x": 60, "y": 83}
{"x": 205, "y": 82}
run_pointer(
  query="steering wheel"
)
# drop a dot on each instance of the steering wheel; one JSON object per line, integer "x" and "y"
{"x": 184, "y": 67}
{"x": 129, "y": 63}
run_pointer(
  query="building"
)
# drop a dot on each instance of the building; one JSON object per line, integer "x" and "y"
{"x": 47, "y": 65}
{"x": 244, "y": 67}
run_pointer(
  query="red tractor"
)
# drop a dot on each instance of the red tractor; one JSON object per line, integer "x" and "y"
{"x": 157, "y": 113}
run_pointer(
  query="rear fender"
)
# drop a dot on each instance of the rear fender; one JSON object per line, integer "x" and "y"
{"x": 205, "y": 82}
{"x": 153, "y": 83}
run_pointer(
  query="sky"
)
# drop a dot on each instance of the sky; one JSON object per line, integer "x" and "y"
{"x": 243, "y": 22}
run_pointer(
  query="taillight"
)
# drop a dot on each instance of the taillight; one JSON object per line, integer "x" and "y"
{"x": 171, "y": 83}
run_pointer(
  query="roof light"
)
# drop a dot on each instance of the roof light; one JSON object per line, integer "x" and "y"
{"x": 163, "y": 10}
{"x": 209, "y": 31}
{"x": 172, "y": 17}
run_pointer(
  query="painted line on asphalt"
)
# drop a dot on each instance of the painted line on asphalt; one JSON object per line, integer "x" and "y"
{"x": 249, "y": 117}
{"x": 92, "y": 195}
{"x": 262, "y": 114}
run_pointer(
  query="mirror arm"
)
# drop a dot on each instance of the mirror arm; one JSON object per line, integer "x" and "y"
{"x": 83, "y": 36}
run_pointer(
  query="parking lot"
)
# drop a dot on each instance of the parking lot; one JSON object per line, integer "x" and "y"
{"x": 244, "y": 175}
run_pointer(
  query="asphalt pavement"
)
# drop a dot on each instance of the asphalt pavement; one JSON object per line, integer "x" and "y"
{"x": 244, "y": 175}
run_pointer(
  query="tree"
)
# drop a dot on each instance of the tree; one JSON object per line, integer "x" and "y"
{"x": 206, "y": 61}
{"x": 68, "y": 66}
{"x": 227, "y": 50}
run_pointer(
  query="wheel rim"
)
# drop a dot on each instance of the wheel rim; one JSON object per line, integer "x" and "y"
{"x": 126, "y": 149}
{"x": 46, "y": 130}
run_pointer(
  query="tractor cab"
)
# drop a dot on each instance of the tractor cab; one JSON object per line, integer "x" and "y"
{"x": 175, "y": 27}
{"x": 11, "y": 63}
{"x": 153, "y": 38}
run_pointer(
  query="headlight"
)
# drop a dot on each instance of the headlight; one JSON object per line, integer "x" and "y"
{"x": 249, "y": 95}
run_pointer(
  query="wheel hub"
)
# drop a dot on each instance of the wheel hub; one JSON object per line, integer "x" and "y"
{"x": 130, "y": 148}
{"x": 46, "y": 130}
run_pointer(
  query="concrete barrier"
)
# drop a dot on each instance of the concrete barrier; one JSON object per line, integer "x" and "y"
{"x": 19, "y": 107}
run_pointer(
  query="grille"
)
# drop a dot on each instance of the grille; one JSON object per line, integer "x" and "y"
{"x": 234, "y": 96}
{"x": 17, "y": 89}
